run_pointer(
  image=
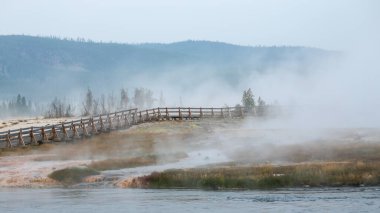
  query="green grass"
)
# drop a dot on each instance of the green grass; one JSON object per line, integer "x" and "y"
{"x": 120, "y": 163}
{"x": 112, "y": 164}
{"x": 267, "y": 177}
{"x": 72, "y": 175}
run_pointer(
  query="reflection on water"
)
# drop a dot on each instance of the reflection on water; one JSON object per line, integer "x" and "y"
{"x": 138, "y": 200}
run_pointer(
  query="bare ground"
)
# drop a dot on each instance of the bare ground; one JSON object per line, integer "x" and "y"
{"x": 25, "y": 122}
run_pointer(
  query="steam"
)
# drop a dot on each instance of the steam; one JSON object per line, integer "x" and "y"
{"x": 340, "y": 93}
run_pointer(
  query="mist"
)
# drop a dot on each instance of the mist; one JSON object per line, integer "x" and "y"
{"x": 341, "y": 93}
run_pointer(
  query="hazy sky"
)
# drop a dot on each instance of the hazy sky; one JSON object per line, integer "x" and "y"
{"x": 331, "y": 24}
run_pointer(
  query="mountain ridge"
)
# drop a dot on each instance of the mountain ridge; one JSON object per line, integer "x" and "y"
{"x": 29, "y": 61}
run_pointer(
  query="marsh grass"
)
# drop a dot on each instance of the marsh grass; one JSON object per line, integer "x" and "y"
{"x": 266, "y": 177}
{"x": 120, "y": 163}
{"x": 26, "y": 150}
{"x": 72, "y": 175}
{"x": 112, "y": 164}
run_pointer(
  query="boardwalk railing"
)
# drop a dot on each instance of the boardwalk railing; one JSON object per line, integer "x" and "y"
{"x": 187, "y": 113}
{"x": 85, "y": 127}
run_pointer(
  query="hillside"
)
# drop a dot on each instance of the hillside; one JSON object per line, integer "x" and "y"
{"x": 35, "y": 66}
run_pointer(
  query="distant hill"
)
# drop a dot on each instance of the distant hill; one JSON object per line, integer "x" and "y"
{"x": 39, "y": 66}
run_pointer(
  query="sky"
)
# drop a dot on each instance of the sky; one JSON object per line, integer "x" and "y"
{"x": 328, "y": 24}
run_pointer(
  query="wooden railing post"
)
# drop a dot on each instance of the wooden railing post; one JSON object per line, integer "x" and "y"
{"x": 212, "y": 112}
{"x": 75, "y": 132}
{"x": 53, "y": 133}
{"x": 43, "y": 135}
{"x": 179, "y": 113}
{"x": 84, "y": 129}
{"x": 128, "y": 121}
{"x": 8, "y": 139}
{"x": 134, "y": 118}
{"x": 101, "y": 123}
{"x": 200, "y": 112}
{"x": 32, "y": 137}
{"x": 93, "y": 126}
{"x": 167, "y": 113}
{"x": 159, "y": 113}
{"x": 141, "y": 118}
{"x": 118, "y": 124}
{"x": 109, "y": 122}
{"x": 124, "y": 116}
{"x": 147, "y": 115}
{"x": 65, "y": 136}
{"x": 189, "y": 113}
{"x": 154, "y": 114}
{"x": 221, "y": 112}
{"x": 20, "y": 139}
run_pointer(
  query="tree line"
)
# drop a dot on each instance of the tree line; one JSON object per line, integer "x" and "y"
{"x": 18, "y": 105}
{"x": 248, "y": 100}
{"x": 140, "y": 98}
{"x": 103, "y": 104}
{"x": 89, "y": 105}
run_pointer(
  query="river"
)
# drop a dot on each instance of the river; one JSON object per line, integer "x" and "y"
{"x": 361, "y": 199}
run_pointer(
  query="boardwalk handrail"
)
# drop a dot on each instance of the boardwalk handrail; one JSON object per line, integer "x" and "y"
{"x": 92, "y": 125}
{"x": 84, "y": 119}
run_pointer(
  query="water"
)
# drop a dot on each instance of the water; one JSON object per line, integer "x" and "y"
{"x": 139, "y": 200}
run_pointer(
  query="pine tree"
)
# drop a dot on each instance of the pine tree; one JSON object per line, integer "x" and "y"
{"x": 124, "y": 99}
{"x": 261, "y": 107}
{"x": 87, "y": 105}
{"x": 261, "y": 102}
{"x": 248, "y": 100}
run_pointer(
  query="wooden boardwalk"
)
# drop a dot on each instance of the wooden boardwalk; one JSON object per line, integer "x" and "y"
{"x": 91, "y": 126}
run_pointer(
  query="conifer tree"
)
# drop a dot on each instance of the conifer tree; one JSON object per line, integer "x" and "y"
{"x": 248, "y": 100}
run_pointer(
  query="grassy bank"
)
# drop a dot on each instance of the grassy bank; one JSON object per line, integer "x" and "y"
{"x": 72, "y": 175}
{"x": 112, "y": 164}
{"x": 120, "y": 163}
{"x": 264, "y": 177}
